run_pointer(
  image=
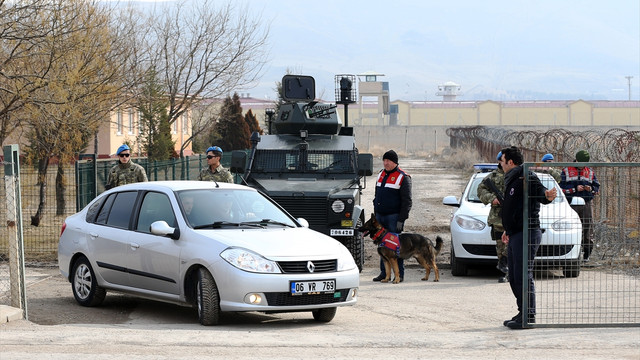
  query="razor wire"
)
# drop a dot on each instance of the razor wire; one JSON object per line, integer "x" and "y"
{"x": 612, "y": 145}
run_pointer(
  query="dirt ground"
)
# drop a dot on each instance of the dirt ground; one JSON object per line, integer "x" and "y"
{"x": 456, "y": 318}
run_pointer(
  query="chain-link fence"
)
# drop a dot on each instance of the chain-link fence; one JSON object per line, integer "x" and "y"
{"x": 67, "y": 188}
{"x": 12, "y": 275}
{"x": 605, "y": 289}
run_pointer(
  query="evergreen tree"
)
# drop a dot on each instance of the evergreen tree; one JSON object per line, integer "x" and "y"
{"x": 232, "y": 130}
{"x": 155, "y": 130}
{"x": 252, "y": 122}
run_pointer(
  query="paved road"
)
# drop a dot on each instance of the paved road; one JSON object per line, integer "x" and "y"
{"x": 458, "y": 317}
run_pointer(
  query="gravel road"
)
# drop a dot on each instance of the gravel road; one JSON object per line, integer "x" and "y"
{"x": 456, "y": 318}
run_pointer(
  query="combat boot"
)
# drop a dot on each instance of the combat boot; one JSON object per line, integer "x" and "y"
{"x": 502, "y": 265}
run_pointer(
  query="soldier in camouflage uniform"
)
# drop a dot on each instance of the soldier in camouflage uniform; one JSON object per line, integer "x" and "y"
{"x": 487, "y": 195}
{"x": 214, "y": 170}
{"x": 554, "y": 172}
{"x": 126, "y": 172}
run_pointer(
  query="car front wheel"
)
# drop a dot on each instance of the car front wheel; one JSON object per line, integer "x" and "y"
{"x": 457, "y": 267}
{"x": 571, "y": 270}
{"x": 207, "y": 298}
{"x": 324, "y": 315}
{"x": 84, "y": 284}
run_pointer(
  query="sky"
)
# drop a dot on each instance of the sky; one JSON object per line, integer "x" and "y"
{"x": 495, "y": 49}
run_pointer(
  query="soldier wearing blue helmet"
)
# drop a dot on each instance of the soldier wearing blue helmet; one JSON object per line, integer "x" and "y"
{"x": 125, "y": 172}
{"x": 554, "y": 172}
{"x": 214, "y": 171}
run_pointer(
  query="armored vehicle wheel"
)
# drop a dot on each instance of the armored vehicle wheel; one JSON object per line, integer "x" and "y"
{"x": 355, "y": 244}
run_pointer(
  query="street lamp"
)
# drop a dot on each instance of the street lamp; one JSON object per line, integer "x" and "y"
{"x": 270, "y": 112}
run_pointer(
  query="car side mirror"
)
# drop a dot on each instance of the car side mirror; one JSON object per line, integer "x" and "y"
{"x": 365, "y": 164}
{"x": 303, "y": 222}
{"x": 577, "y": 201}
{"x": 161, "y": 228}
{"x": 451, "y": 201}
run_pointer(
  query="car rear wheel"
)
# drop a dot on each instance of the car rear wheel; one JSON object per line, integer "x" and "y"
{"x": 457, "y": 267}
{"x": 324, "y": 315}
{"x": 84, "y": 284}
{"x": 207, "y": 298}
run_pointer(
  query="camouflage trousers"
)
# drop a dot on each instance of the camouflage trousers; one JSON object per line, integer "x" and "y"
{"x": 501, "y": 248}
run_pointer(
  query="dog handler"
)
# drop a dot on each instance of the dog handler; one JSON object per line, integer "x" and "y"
{"x": 392, "y": 201}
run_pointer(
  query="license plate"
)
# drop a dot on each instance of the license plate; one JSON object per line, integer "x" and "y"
{"x": 341, "y": 232}
{"x": 313, "y": 287}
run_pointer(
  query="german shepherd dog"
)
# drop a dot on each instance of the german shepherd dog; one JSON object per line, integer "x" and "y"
{"x": 411, "y": 244}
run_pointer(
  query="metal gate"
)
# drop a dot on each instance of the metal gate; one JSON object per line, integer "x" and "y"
{"x": 605, "y": 291}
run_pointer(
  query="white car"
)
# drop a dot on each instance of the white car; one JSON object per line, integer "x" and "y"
{"x": 216, "y": 247}
{"x": 471, "y": 242}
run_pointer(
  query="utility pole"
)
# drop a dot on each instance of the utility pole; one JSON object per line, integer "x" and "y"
{"x": 629, "y": 83}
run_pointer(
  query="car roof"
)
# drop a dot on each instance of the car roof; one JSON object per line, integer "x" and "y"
{"x": 178, "y": 185}
{"x": 485, "y": 167}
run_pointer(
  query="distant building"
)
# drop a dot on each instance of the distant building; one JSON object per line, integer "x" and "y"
{"x": 449, "y": 91}
{"x": 124, "y": 126}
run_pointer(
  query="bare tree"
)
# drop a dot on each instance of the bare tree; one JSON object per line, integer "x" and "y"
{"x": 202, "y": 52}
{"x": 85, "y": 80}
{"x": 20, "y": 39}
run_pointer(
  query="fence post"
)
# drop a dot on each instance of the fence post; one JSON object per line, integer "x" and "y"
{"x": 14, "y": 227}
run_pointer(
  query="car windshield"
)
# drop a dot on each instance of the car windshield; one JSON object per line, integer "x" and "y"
{"x": 547, "y": 181}
{"x": 217, "y": 208}
{"x": 473, "y": 190}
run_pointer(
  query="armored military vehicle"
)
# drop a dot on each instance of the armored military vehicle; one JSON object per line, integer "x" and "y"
{"x": 309, "y": 164}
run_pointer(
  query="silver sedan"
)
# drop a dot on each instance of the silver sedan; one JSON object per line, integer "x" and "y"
{"x": 216, "y": 247}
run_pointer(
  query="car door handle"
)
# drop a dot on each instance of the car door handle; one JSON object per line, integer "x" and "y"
{"x": 134, "y": 246}
{"x": 93, "y": 235}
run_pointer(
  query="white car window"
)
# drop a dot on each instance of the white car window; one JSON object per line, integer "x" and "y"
{"x": 155, "y": 207}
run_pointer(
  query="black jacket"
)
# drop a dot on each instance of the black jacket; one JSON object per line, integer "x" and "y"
{"x": 513, "y": 207}
{"x": 393, "y": 193}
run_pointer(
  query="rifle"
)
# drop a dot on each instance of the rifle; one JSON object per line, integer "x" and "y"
{"x": 493, "y": 188}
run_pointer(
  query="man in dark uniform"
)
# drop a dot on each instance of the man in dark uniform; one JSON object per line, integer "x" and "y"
{"x": 512, "y": 221}
{"x": 392, "y": 201}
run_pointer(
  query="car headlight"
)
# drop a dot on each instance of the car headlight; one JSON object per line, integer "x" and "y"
{"x": 346, "y": 262}
{"x": 564, "y": 225}
{"x": 469, "y": 223}
{"x": 337, "y": 206}
{"x": 247, "y": 260}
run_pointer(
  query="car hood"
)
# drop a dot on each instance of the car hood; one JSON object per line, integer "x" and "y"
{"x": 279, "y": 243}
{"x": 548, "y": 213}
{"x": 476, "y": 210}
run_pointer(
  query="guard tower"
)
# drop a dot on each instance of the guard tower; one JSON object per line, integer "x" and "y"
{"x": 370, "y": 86}
{"x": 449, "y": 91}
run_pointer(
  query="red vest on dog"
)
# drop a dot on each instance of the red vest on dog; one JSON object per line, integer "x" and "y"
{"x": 390, "y": 240}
